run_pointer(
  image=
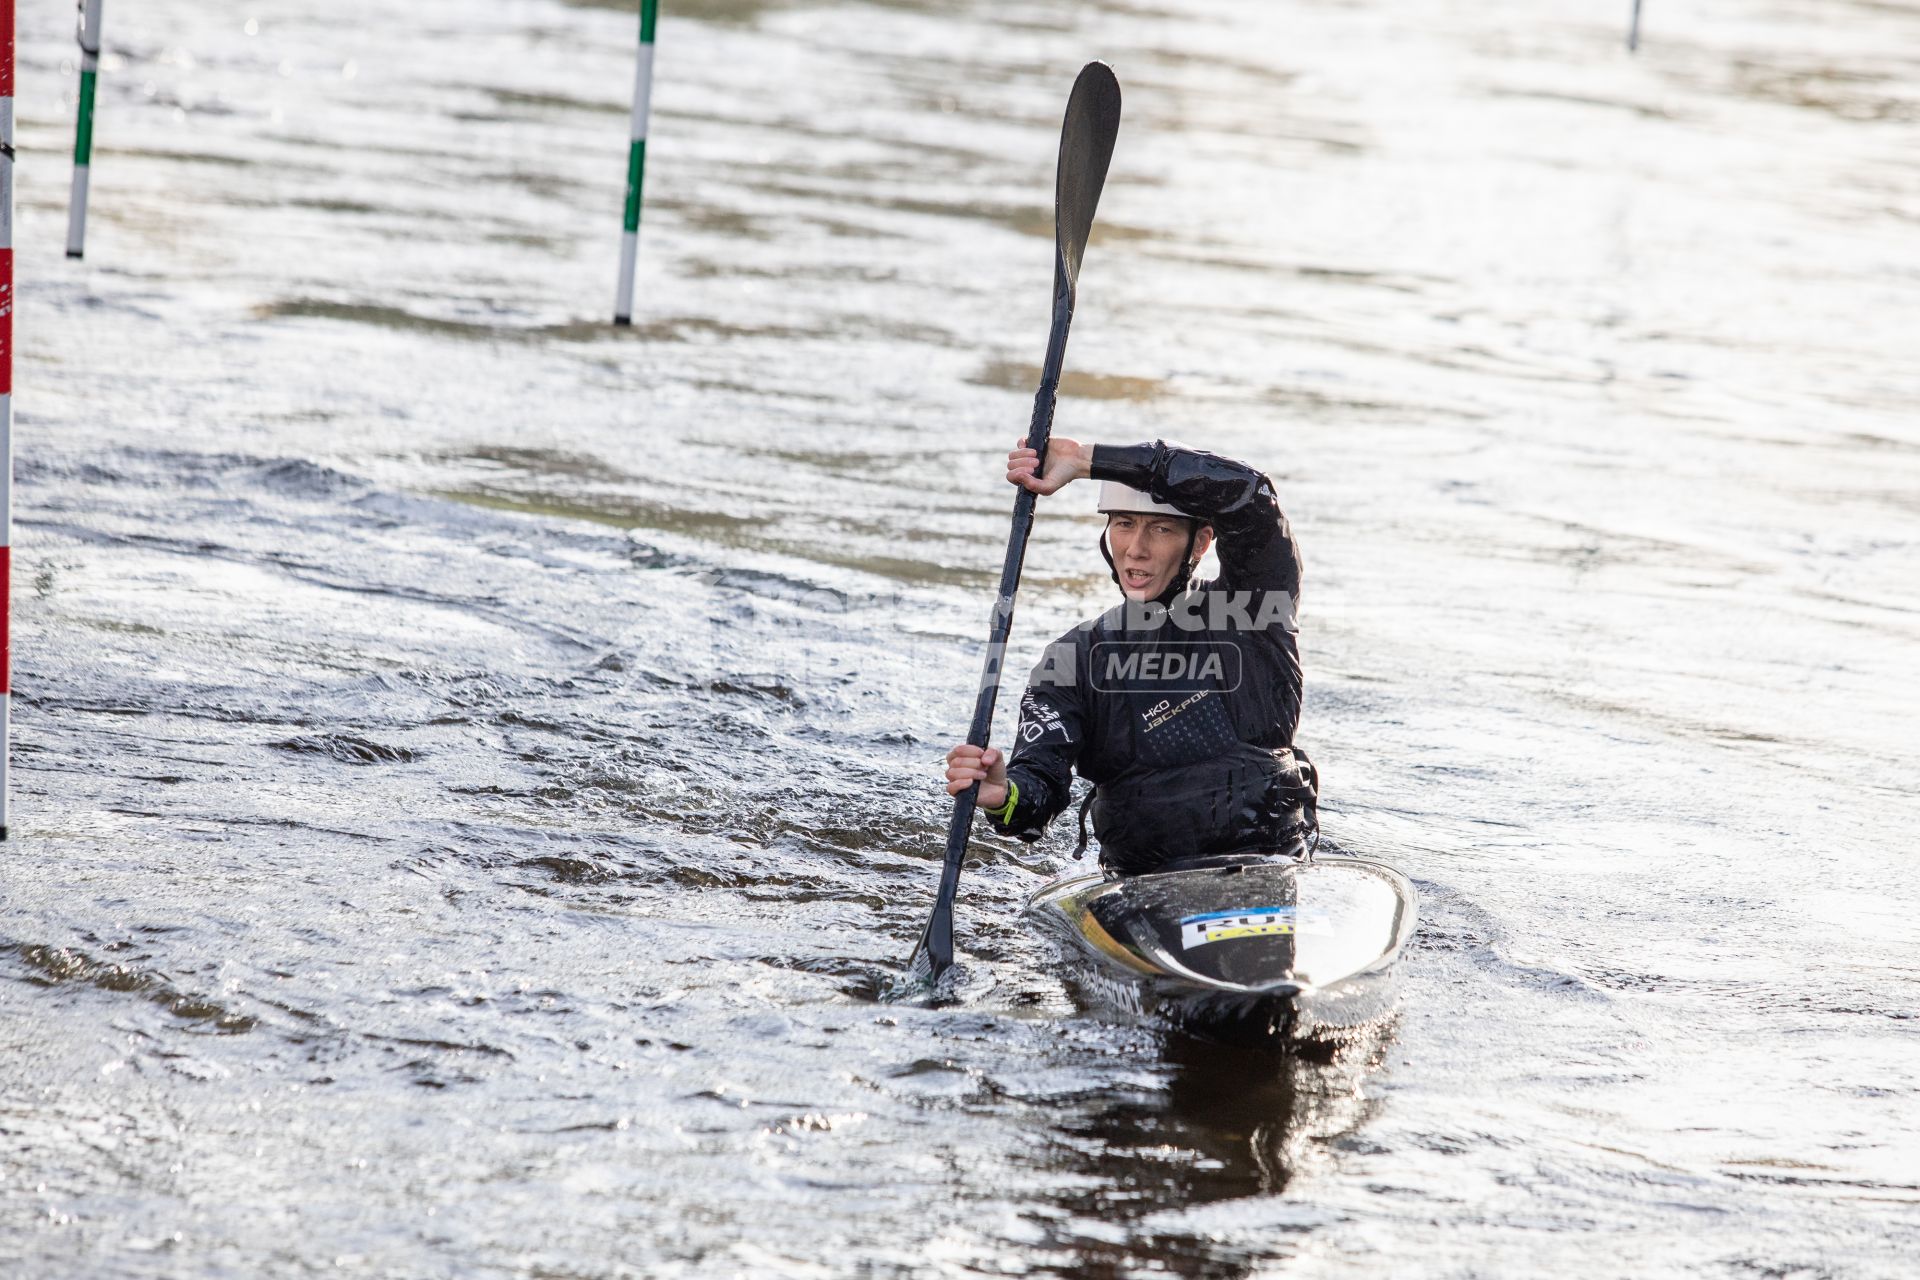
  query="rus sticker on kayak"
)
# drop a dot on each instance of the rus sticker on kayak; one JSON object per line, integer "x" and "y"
{"x": 1246, "y": 922}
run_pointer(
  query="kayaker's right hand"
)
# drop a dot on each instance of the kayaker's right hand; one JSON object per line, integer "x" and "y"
{"x": 968, "y": 764}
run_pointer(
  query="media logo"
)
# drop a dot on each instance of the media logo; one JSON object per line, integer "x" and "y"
{"x": 1166, "y": 666}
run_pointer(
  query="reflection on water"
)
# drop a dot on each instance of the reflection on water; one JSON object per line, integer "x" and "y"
{"x": 1252, "y": 1115}
{"x": 1015, "y": 376}
{"x": 1163, "y": 1179}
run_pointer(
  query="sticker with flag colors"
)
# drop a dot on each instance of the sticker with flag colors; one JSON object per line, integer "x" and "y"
{"x": 1243, "y": 922}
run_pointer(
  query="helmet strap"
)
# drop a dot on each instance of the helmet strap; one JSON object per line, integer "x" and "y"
{"x": 1188, "y": 563}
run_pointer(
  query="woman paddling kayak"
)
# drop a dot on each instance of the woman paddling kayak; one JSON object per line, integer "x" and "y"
{"x": 1180, "y": 703}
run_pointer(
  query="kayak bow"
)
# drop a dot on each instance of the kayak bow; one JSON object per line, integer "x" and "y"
{"x": 1246, "y": 945}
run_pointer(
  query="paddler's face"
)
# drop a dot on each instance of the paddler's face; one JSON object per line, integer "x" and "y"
{"x": 1147, "y": 549}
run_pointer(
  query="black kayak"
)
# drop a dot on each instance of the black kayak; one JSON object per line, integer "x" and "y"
{"x": 1244, "y": 946}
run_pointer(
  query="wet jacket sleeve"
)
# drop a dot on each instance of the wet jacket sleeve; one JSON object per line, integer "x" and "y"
{"x": 1255, "y": 546}
{"x": 1040, "y": 768}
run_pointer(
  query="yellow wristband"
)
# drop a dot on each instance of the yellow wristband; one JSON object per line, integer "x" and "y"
{"x": 1004, "y": 814}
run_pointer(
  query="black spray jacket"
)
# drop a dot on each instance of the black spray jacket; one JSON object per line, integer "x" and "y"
{"x": 1180, "y": 711}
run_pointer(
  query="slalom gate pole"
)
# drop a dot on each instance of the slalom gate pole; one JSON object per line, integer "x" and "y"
{"x": 636, "y": 163}
{"x": 1633, "y": 29}
{"x": 6, "y": 404}
{"x": 89, "y": 35}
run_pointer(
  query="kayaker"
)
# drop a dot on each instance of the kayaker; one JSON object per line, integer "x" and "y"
{"x": 1180, "y": 703}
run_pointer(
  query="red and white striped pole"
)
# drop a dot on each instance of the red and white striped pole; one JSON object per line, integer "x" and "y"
{"x": 6, "y": 405}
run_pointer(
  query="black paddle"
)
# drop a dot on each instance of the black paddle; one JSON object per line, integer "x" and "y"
{"x": 1086, "y": 145}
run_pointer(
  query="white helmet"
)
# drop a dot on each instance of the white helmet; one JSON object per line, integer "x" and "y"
{"x": 1115, "y": 496}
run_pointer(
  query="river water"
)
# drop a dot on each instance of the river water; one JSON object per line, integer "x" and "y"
{"x": 476, "y": 771}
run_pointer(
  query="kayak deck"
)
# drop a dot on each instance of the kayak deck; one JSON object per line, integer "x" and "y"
{"x": 1246, "y": 944}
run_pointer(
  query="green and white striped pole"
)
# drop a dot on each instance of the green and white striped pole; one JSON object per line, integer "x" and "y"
{"x": 83, "y": 131}
{"x": 636, "y": 164}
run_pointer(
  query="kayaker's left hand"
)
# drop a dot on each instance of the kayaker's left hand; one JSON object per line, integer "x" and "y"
{"x": 1067, "y": 461}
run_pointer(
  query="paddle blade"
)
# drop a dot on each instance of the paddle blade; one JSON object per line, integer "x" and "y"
{"x": 1086, "y": 147}
{"x": 934, "y": 954}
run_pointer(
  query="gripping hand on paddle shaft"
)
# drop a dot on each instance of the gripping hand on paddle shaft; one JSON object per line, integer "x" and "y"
{"x": 967, "y": 764}
{"x": 1067, "y": 461}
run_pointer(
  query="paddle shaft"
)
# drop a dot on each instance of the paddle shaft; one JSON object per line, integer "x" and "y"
{"x": 937, "y": 944}
{"x": 1086, "y": 147}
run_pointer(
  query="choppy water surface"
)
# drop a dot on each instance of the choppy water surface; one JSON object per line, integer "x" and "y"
{"x": 477, "y": 771}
